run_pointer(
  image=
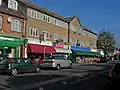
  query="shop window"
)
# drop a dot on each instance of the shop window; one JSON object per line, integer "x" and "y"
{"x": 16, "y": 25}
{"x": 13, "y": 4}
{"x": 0, "y": 22}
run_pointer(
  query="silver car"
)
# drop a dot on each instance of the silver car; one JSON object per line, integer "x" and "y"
{"x": 57, "y": 61}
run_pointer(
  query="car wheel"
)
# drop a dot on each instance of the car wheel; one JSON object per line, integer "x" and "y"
{"x": 70, "y": 65}
{"x": 58, "y": 67}
{"x": 37, "y": 69}
{"x": 14, "y": 71}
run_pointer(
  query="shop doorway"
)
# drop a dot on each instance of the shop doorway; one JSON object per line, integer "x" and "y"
{"x": 4, "y": 52}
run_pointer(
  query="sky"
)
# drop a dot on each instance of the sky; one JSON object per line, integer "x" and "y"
{"x": 94, "y": 14}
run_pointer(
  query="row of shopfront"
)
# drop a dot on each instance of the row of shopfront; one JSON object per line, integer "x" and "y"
{"x": 12, "y": 47}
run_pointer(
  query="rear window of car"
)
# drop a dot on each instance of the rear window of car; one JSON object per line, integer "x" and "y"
{"x": 116, "y": 68}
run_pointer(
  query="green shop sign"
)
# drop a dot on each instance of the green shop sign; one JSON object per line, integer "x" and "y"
{"x": 10, "y": 41}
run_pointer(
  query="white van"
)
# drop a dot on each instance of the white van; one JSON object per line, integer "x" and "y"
{"x": 57, "y": 61}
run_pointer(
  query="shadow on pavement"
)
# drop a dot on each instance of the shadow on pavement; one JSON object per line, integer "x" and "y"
{"x": 113, "y": 85}
{"x": 18, "y": 81}
{"x": 87, "y": 69}
{"x": 96, "y": 82}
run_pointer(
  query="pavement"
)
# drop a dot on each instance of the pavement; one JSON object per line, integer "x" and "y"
{"x": 81, "y": 77}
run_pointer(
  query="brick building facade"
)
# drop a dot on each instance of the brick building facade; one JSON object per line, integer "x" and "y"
{"x": 12, "y": 28}
{"x": 23, "y": 20}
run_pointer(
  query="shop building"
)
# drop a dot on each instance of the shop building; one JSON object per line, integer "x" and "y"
{"x": 79, "y": 35}
{"x": 35, "y": 48}
{"x": 82, "y": 55}
{"x": 10, "y": 46}
{"x": 44, "y": 26}
{"x": 12, "y": 27}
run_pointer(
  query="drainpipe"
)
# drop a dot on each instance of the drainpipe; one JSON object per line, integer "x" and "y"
{"x": 24, "y": 51}
{"x": 68, "y": 34}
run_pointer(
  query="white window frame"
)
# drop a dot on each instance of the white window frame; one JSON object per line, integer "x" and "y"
{"x": 16, "y": 25}
{"x": 1, "y": 22}
{"x": 45, "y": 18}
{"x": 12, "y": 2}
{"x": 37, "y": 15}
{"x": 40, "y": 16}
{"x": 48, "y": 19}
{"x": 52, "y": 20}
{"x": 32, "y": 13}
{"x": 55, "y": 21}
{"x": 34, "y": 32}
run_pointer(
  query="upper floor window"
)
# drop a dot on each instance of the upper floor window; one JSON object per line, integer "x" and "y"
{"x": 74, "y": 32}
{"x": 34, "y": 32}
{"x": 13, "y": 4}
{"x": 0, "y": 22}
{"x": 16, "y": 25}
{"x": 48, "y": 35}
{"x": 55, "y": 21}
{"x": 56, "y": 36}
{"x": 46, "y": 18}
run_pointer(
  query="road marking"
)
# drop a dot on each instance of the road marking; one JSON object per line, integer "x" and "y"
{"x": 40, "y": 84}
{"x": 75, "y": 81}
{"x": 81, "y": 79}
{"x": 41, "y": 88}
{"x": 30, "y": 86}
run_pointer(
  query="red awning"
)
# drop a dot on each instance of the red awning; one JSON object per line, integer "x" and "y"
{"x": 35, "y": 48}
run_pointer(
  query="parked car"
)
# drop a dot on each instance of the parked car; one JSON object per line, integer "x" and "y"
{"x": 114, "y": 73}
{"x": 57, "y": 61}
{"x": 16, "y": 65}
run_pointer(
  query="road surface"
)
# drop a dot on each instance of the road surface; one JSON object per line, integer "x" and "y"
{"x": 82, "y": 77}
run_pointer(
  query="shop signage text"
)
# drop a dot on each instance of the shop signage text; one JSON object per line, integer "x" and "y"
{"x": 5, "y": 38}
{"x": 33, "y": 41}
{"x": 47, "y": 43}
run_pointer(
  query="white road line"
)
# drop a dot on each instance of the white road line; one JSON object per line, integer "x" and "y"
{"x": 81, "y": 79}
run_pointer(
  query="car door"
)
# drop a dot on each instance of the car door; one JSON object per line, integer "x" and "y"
{"x": 28, "y": 65}
{"x": 62, "y": 61}
{"x": 116, "y": 69}
{"x": 21, "y": 65}
{"x": 66, "y": 61}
